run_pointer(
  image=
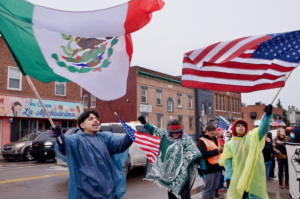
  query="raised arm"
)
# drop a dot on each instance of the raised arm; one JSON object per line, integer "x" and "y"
{"x": 153, "y": 130}
{"x": 265, "y": 123}
{"x": 117, "y": 143}
{"x": 56, "y": 132}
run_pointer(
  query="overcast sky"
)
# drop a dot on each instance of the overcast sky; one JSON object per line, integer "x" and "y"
{"x": 185, "y": 25}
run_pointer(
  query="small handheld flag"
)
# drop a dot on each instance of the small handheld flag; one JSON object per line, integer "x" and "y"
{"x": 148, "y": 143}
{"x": 223, "y": 124}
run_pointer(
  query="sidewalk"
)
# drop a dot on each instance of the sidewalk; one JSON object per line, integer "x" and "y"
{"x": 272, "y": 187}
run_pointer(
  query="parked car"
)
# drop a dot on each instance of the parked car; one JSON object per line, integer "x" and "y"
{"x": 136, "y": 156}
{"x": 21, "y": 149}
{"x": 43, "y": 149}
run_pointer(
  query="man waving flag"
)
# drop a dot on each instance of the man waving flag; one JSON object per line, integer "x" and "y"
{"x": 243, "y": 65}
{"x": 148, "y": 143}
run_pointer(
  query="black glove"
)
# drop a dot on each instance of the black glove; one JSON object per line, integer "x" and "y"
{"x": 201, "y": 172}
{"x": 228, "y": 183}
{"x": 268, "y": 109}
{"x": 55, "y": 132}
{"x": 142, "y": 119}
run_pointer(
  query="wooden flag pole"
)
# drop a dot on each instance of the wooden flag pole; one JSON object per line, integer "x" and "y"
{"x": 277, "y": 93}
{"x": 41, "y": 102}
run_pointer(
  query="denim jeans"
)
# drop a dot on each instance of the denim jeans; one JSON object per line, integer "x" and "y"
{"x": 268, "y": 167}
{"x": 221, "y": 183}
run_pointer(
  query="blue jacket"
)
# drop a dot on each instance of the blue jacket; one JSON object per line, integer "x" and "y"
{"x": 95, "y": 163}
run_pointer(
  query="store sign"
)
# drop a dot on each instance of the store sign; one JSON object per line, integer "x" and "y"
{"x": 30, "y": 107}
{"x": 145, "y": 108}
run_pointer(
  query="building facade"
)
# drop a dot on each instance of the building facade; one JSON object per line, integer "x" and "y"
{"x": 157, "y": 96}
{"x": 20, "y": 111}
{"x": 252, "y": 115}
{"x": 228, "y": 105}
{"x": 204, "y": 108}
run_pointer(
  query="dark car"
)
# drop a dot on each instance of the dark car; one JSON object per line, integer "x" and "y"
{"x": 43, "y": 150}
{"x": 21, "y": 149}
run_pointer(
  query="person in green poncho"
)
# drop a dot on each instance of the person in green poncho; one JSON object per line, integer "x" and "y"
{"x": 243, "y": 160}
{"x": 176, "y": 164}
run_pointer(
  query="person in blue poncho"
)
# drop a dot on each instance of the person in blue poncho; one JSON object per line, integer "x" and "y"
{"x": 95, "y": 159}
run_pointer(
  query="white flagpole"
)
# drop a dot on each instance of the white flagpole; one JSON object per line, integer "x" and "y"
{"x": 41, "y": 102}
{"x": 263, "y": 116}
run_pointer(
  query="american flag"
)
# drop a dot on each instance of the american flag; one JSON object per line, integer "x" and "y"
{"x": 278, "y": 123}
{"x": 223, "y": 124}
{"x": 243, "y": 65}
{"x": 148, "y": 143}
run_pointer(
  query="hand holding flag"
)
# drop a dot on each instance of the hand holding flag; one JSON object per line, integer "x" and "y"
{"x": 148, "y": 143}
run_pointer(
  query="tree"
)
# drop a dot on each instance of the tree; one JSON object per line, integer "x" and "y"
{"x": 279, "y": 104}
{"x": 286, "y": 121}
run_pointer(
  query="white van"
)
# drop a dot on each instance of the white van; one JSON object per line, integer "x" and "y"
{"x": 136, "y": 156}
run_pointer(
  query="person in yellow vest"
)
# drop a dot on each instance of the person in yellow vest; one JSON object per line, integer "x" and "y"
{"x": 210, "y": 148}
{"x": 243, "y": 160}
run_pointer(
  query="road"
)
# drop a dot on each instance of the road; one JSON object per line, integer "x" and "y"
{"x": 22, "y": 180}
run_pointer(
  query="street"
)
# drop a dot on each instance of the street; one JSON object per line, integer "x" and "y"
{"x": 22, "y": 179}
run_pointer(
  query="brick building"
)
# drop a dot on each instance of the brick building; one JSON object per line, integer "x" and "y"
{"x": 253, "y": 113}
{"x": 20, "y": 111}
{"x": 157, "y": 96}
{"x": 293, "y": 115}
{"x": 228, "y": 105}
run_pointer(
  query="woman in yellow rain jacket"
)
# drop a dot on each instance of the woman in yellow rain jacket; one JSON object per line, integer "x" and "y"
{"x": 244, "y": 162}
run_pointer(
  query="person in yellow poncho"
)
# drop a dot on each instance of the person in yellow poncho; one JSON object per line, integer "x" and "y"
{"x": 243, "y": 160}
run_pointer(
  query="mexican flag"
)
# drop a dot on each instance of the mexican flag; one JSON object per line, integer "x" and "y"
{"x": 92, "y": 49}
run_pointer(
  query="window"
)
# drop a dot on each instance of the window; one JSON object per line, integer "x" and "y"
{"x": 216, "y": 101}
{"x": 179, "y": 102}
{"x": 220, "y": 105}
{"x": 60, "y": 88}
{"x": 14, "y": 78}
{"x": 232, "y": 100}
{"x": 144, "y": 96}
{"x": 45, "y": 136}
{"x": 170, "y": 105}
{"x": 190, "y": 103}
{"x": 85, "y": 101}
{"x": 159, "y": 121}
{"x": 203, "y": 109}
{"x": 223, "y": 103}
{"x": 180, "y": 120}
{"x": 228, "y": 104}
{"x": 253, "y": 117}
{"x": 235, "y": 105}
{"x": 158, "y": 98}
{"x": 191, "y": 123}
{"x": 238, "y": 105}
{"x": 93, "y": 101}
{"x": 209, "y": 109}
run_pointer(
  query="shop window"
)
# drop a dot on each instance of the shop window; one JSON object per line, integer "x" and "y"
{"x": 159, "y": 121}
{"x": 86, "y": 101}
{"x": 170, "y": 105}
{"x": 93, "y": 101}
{"x": 179, "y": 102}
{"x": 202, "y": 109}
{"x": 220, "y": 104}
{"x": 158, "y": 98}
{"x": 60, "y": 88}
{"x": 209, "y": 109}
{"x": 144, "y": 96}
{"x": 14, "y": 81}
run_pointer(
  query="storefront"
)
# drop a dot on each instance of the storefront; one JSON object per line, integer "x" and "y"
{"x": 21, "y": 116}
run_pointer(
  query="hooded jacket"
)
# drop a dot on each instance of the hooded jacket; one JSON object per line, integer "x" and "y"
{"x": 296, "y": 131}
{"x": 244, "y": 162}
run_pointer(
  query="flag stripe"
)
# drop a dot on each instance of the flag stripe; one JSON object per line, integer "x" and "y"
{"x": 199, "y": 57}
{"x": 148, "y": 144}
{"x": 147, "y": 136}
{"x": 234, "y": 88}
{"x": 242, "y": 46}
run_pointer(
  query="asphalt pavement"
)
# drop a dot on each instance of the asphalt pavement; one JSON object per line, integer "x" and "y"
{"x": 23, "y": 179}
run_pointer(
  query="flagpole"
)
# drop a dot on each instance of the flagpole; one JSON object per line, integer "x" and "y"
{"x": 278, "y": 92}
{"x": 41, "y": 102}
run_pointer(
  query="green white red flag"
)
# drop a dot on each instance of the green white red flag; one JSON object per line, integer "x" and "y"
{"x": 91, "y": 48}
